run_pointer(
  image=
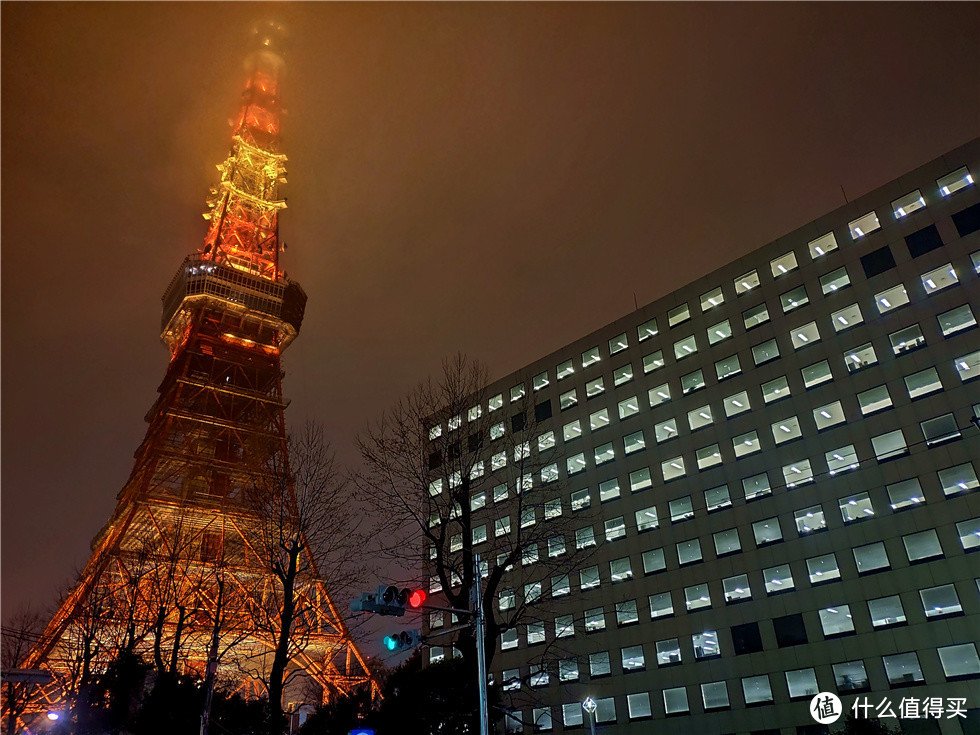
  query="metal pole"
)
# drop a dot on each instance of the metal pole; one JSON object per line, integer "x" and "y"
{"x": 476, "y": 600}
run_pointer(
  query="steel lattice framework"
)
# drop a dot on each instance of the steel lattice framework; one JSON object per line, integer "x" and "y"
{"x": 180, "y": 557}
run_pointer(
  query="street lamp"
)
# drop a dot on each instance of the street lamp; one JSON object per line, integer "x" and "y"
{"x": 589, "y": 706}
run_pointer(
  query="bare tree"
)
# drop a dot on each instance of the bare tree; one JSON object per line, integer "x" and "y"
{"x": 20, "y": 633}
{"x": 307, "y": 527}
{"x": 451, "y": 470}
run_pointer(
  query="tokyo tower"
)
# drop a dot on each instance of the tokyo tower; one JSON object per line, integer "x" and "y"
{"x": 178, "y": 574}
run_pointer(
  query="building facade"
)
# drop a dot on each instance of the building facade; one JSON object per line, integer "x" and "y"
{"x": 778, "y": 467}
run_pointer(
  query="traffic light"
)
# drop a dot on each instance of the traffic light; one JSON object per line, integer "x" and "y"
{"x": 403, "y": 640}
{"x": 389, "y": 600}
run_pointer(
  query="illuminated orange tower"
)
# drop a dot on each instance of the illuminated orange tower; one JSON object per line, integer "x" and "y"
{"x": 178, "y": 571}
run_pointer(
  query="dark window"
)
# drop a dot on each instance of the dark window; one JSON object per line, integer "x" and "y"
{"x": 968, "y": 220}
{"x": 924, "y": 241}
{"x": 435, "y": 460}
{"x": 453, "y": 450}
{"x": 877, "y": 261}
{"x": 474, "y": 442}
{"x": 542, "y": 410}
{"x": 517, "y": 422}
{"x": 746, "y": 638}
{"x": 790, "y": 630}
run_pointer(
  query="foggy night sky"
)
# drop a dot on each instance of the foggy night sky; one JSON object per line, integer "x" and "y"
{"x": 493, "y": 178}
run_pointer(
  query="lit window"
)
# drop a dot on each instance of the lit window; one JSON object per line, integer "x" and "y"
{"x": 653, "y": 361}
{"x": 863, "y": 225}
{"x": 658, "y": 395}
{"x": 958, "y": 479}
{"x": 953, "y": 182}
{"x": 938, "y": 602}
{"x": 501, "y": 526}
{"x": 556, "y": 547}
{"x": 902, "y": 668}
{"x": 517, "y": 393}
{"x": 633, "y": 442}
{"x": 604, "y": 453}
{"x": 786, "y": 430}
{"x": 727, "y": 542}
{"x": 810, "y": 519}
{"x": 622, "y": 375}
{"x": 529, "y": 555}
{"x": 822, "y": 569}
{"x": 646, "y": 519}
{"x": 594, "y": 388}
{"x": 783, "y": 264}
{"x": 905, "y": 494}
{"x": 678, "y": 315}
{"x": 968, "y": 366}
{"x": 646, "y": 330}
{"x": 844, "y": 319}
{"x": 589, "y": 578}
{"x": 619, "y": 570}
{"x": 572, "y": 430}
{"x": 886, "y": 611}
{"x": 794, "y": 299}
{"x": 797, "y": 473}
{"x": 581, "y": 500}
{"x": 856, "y": 508}
{"x": 756, "y": 486}
{"x": 496, "y": 432}
{"x": 568, "y": 399}
{"x": 500, "y": 493}
{"x": 767, "y": 532}
{"x": 874, "y": 399}
{"x": 936, "y": 280}
{"x": 755, "y": 316}
{"x": 778, "y": 579}
{"x": 668, "y": 652}
{"x": 632, "y": 658}
{"x": 906, "y": 340}
{"x": 708, "y": 457}
{"x": 834, "y": 281}
{"x": 546, "y": 441}
{"x": 850, "y": 676}
{"x": 940, "y": 429}
{"x": 618, "y": 344}
{"x": 891, "y": 298}
{"x": 573, "y": 465}
{"x": 675, "y": 701}
{"x": 923, "y": 545}
{"x": 890, "y": 445}
{"x": 871, "y": 558}
{"x": 681, "y": 509}
{"x": 904, "y": 206}
{"x": 829, "y": 415}
{"x": 960, "y": 661}
{"x": 655, "y": 561}
{"x": 640, "y": 479}
{"x": 626, "y": 611}
{"x": 615, "y": 528}
{"x": 727, "y": 367}
{"x": 455, "y": 422}
{"x": 808, "y": 334}
{"x": 923, "y": 383}
{"x": 699, "y": 417}
{"x": 745, "y": 283}
{"x": 565, "y": 369}
{"x": 688, "y": 552}
{"x": 595, "y": 620}
{"x": 532, "y": 592}
{"x": 860, "y": 357}
{"x": 842, "y": 459}
{"x": 822, "y": 245}
{"x": 975, "y": 258}
{"x": 765, "y": 352}
{"x": 718, "y": 332}
{"x": 590, "y": 357}
{"x": 608, "y": 490}
{"x": 737, "y": 404}
{"x": 746, "y": 444}
{"x": 736, "y": 588}
{"x": 969, "y": 534}
{"x": 836, "y": 620}
{"x": 697, "y": 597}
{"x": 716, "y": 498}
{"x": 756, "y": 689}
{"x": 692, "y": 382}
{"x": 638, "y": 704}
{"x": 435, "y": 432}
{"x": 496, "y": 402}
{"x": 705, "y": 645}
{"x": 712, "y": 299}
{"x": 714, "y": 694}
{"x": 685, "y": 347}
{"x": 629, "y": 407}
{"x": 672, "y": 468}
{"x": 478, "y": 500}
{"x": 565, "y": 628}
{"x": 599, "y": 419}
{"x": 550, "y": 472}
{"x": 776, "y": 389}
{"x": 956, "y": 320}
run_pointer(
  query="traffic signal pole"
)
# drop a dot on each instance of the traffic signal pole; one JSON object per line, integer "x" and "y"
{"x": 476, "y": 601}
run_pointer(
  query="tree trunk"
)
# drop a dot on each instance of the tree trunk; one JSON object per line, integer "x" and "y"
{"x": 278, "y": 672}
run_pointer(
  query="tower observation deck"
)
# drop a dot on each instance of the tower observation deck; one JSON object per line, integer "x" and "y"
{"x": 178, "y": 573}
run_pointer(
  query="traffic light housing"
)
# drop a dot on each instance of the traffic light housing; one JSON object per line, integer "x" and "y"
{"x": 402, "y": 640}
{"x": 389, "y": 600}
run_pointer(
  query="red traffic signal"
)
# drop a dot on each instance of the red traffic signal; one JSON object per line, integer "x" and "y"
{"x": 416, "y": 598}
